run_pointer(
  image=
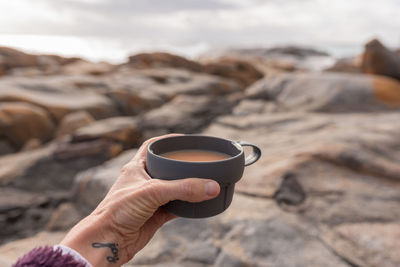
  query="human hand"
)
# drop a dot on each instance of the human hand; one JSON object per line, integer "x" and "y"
{"x": 125, "y": 221}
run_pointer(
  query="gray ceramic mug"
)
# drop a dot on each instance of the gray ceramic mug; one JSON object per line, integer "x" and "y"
{"x": 226, "y": 172}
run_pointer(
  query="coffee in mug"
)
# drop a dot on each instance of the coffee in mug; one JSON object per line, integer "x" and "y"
{"x": 195, "y": 155}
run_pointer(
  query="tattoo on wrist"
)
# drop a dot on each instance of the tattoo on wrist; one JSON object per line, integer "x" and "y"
{"x": 114, "y": 250}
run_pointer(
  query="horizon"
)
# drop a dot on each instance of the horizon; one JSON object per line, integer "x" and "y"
{"x": 105, "y": 30}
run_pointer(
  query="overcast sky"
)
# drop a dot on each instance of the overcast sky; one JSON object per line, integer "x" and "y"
{"x": 112, "y": 29}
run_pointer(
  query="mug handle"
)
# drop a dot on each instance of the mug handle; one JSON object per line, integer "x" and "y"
{"x": 254, "y": 156}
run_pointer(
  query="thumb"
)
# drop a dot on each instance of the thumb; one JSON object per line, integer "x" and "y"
{"x": 190, "y": 189}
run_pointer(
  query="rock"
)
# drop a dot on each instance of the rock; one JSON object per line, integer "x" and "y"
{"x": 247, "y": 107}
{"x": 239, "y": 70}
{"x": 20, "y": 122}
{"x": 159, "y": 59}
{"x": 204, "y": 253}
{"x": 91, "y": 186}
{"x": 122, "y": 130}
{"x": 64, "y": 217}
{"x": 328, "y": 92}
{"x": 56, "y": 162}
{"x": 87, "y": 68}
{"x": 377, "y": 59}
{"x": 132, "y": 91}
{"x": 100, "y": 149}
{"x": 185, "y": 114}
{"x": 200, "y": 85}
{"x": 290, "y": 191}
{"x": 387, "y": 90}
{"x": 31, "y": 144}
{"x": 74, "y": 121}
{"x": 296, "y": 51}
{"x": 241, "y": 236}
{"x": 228, "y": 260}
{"x": 56, "y": 95}
{"x": 12, "y": 58}
{"x": 10, "y": 252}
{"x": 6, "y": 148}
{"x": 24, "y": 213}
{"x": 13, "y": 166}
{"x": 349, "y": 65}
{"x": 13, "y": 199}
{"x": 369, "y": 244}
{"x": 148, "y": 89}
{"x": 278, "y": 59}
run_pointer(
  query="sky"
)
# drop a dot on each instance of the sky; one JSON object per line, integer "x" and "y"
{"x": 113, "y": 29}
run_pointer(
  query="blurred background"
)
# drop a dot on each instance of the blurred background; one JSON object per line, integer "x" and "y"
{"x": 315, "y": 84}
{"x": 112, "y": 30}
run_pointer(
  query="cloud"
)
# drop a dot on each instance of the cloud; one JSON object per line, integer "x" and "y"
{"x": 151, "y": 24}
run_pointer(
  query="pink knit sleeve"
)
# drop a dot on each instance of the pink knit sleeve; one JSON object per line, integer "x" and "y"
{"x": 51, "y": 256}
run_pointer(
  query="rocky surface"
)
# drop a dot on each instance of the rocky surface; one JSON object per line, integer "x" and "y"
{"x": 21, "y": 122}
{"x": 377, "y": 59}
{"x": 326, "y": 191}
{"x": 328, "y": 92}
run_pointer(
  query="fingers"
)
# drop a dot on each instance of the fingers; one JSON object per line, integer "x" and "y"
{"x": 191, "y": 190}
{"x": 140, "y": 156}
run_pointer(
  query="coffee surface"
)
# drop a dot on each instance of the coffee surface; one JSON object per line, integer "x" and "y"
{"x": 195, "y": 155}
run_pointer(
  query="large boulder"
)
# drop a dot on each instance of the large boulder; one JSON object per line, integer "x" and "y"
{"x": 6, "y": 148}
{"x": 73, "y": 121}
{"x": 12, "y": 58}
{"x": 82, "y": 67}
{"x": 187, "y": 114}
{"x": 328, "y": 92}
{"x": 350, "y": 65}
{"x": 159, "y": 59}
{"x": 20, "y": 122}
{"x": 144, "y": 90}
{"x": 239, "y": 70}
{"x": 122, "y": 130}
{"x": 52, "y": 167}
{"x": 56, "y": 95}
{"x": 23, "y": 213}
{"x": 377, "y": 59}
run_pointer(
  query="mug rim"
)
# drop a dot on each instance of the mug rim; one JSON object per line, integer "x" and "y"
{"x": 234, "y": 143}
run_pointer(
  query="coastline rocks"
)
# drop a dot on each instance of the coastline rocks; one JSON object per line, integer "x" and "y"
{"x": 73, "y": 121}
{"x": 13, "y": 61}
{"x": 6, "y": 148}
{"x": 377, "y": 59}
{"x": 20, "y": 122}
{"x": 56, "y": 96}
{"x": 11, "y": 58}
{"x": 243, "y": 72}
{"x": 349, "y": 65}
{"x": 327, "y": 92}
{"x": 162, "y": 60}
{"x": 121, "y": 130}
{"x": 82, "y": 67}
{"x": 186, "y": 114}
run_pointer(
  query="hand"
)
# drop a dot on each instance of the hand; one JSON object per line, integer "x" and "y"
{"x": 125, "y": 221}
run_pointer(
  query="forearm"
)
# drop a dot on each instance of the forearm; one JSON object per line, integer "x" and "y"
{"x": 96, "y": 242}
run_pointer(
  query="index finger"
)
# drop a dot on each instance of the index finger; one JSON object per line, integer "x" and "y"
{"x": 140, "y": 156}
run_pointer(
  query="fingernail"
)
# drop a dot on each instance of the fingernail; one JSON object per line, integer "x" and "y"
{"x": 212, "y": 188}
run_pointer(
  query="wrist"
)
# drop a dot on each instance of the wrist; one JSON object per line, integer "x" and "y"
{"x": 96, "y": 242}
